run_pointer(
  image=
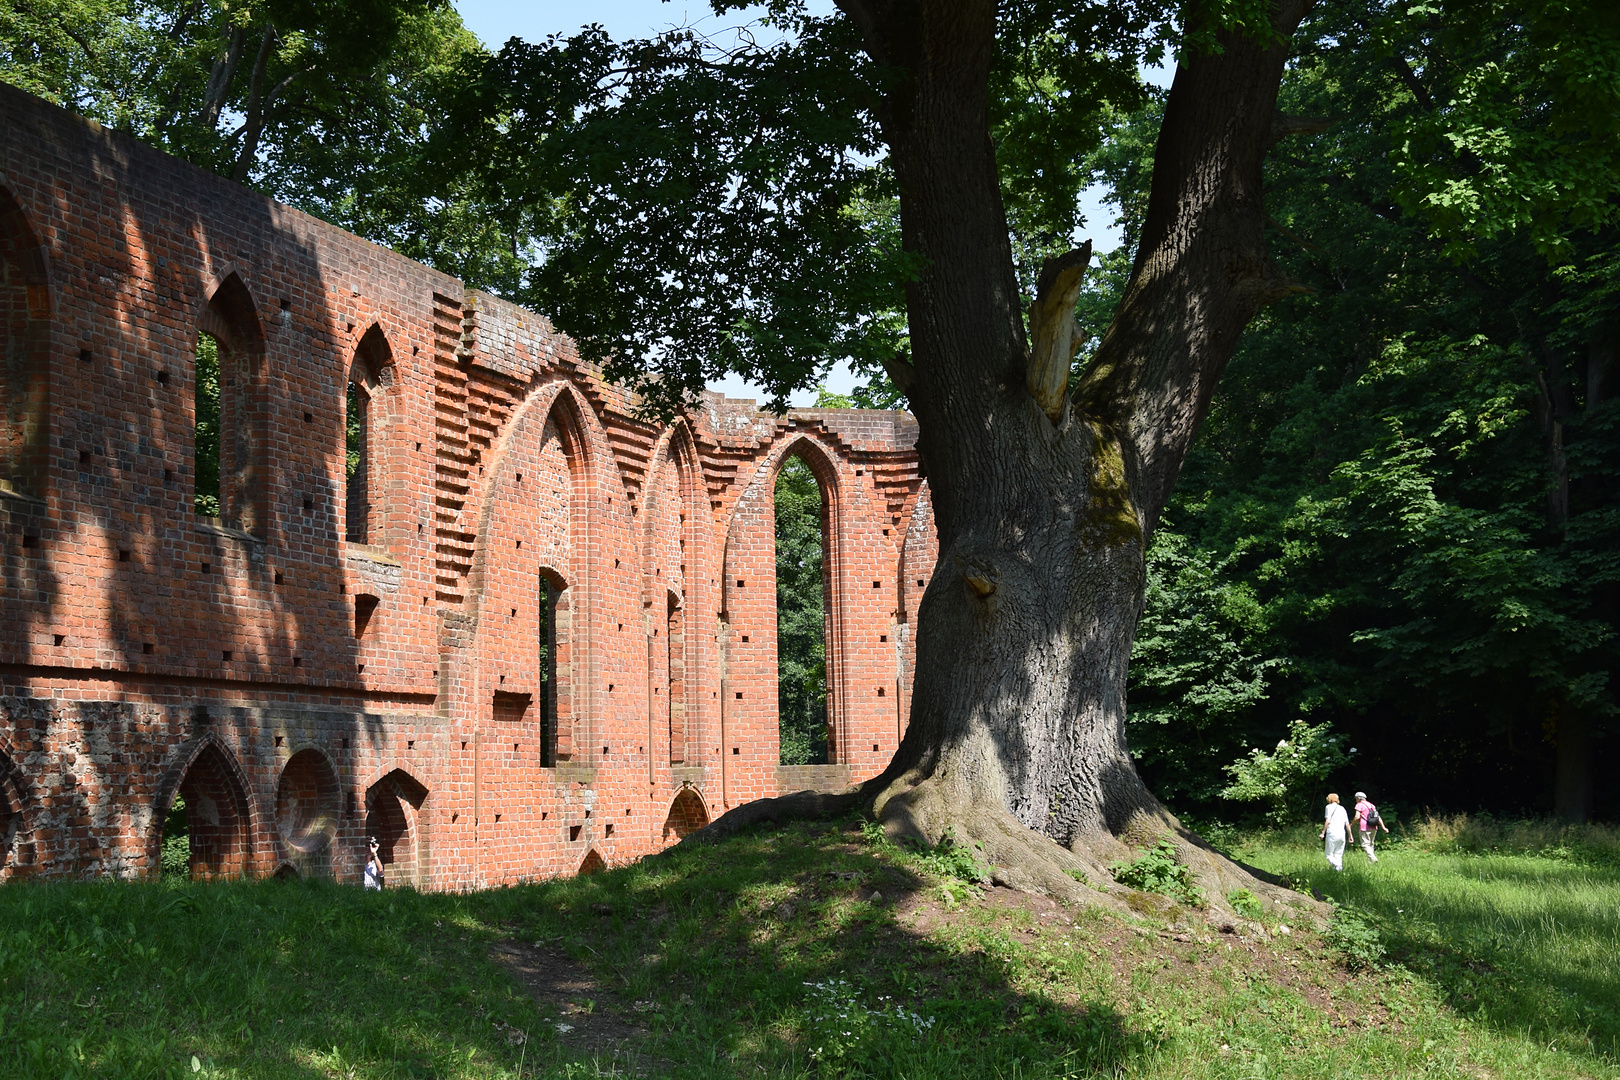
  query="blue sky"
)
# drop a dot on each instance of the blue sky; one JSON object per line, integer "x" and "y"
{"x": 494, "y": 21}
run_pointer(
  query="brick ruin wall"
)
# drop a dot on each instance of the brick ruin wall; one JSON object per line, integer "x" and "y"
{"x": 332, "y": 657}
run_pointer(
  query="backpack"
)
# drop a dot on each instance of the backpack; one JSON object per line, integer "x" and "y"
{"x": 1372, "y": 817}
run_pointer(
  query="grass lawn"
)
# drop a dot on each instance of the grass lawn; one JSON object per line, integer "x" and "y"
{"x": 770, "y": 956}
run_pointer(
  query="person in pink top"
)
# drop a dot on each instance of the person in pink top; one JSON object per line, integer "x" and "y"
{"x": 1370, "y": 822}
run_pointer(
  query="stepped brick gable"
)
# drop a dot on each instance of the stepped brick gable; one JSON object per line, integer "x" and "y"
{"x": 529, "y": 635}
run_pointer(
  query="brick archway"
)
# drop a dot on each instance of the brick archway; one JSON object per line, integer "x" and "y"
{"x": 218, "y": 814}
{"x": 15, "y": 853}
{"x": 394, "y": 816}
{"x": 687, "y": 815}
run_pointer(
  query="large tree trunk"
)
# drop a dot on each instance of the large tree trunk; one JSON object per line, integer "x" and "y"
{"x": 1043, "y": 506}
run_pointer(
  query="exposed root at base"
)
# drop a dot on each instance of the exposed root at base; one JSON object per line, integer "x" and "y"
{"x": 1015, "y": 855}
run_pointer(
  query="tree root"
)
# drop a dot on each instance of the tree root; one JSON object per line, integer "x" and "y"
{"x": 1013, "y": 855}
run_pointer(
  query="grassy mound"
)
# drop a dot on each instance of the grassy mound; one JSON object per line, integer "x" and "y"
{"x": 816, "y": 950}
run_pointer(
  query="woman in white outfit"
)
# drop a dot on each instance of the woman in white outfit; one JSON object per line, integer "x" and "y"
{"x": 1335, "y": 832}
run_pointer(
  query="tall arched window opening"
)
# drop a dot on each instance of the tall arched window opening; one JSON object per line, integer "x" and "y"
{"x": 25, "y": 344}
{"x": 205, "y": 428}
{"x": 230, "y": 471}
{"x": 675, "y": 679}
{"x": 363, "y": 441}
{"x": 801, "y": 615}
{"x": 553, "y": 663}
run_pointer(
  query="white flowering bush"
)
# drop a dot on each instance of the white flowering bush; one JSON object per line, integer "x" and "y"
{"x": 842, "y": 1025}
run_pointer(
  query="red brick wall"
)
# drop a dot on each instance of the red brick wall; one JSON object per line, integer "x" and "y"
{"x": 146, "y": 652}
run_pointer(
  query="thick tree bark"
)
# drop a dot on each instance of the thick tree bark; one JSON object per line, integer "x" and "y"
{"x": 1017, "y": 734}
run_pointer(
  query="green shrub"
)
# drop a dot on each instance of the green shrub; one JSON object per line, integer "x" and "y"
{"x": 1245, "y": 903}
{"x": 1284, "y": 779}
{"x": 1355, "y": 935}
{"x": 1158, "y": 871}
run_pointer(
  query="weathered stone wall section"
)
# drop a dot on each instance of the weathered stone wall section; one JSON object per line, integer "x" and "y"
{"x": 306, "y": 691}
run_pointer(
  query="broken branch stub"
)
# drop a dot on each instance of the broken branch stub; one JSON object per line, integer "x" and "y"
{"x": 1054, "y": 337}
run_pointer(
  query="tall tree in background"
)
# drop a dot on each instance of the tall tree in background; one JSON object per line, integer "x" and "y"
{"x": 323, "y": 105}
{"x": 1401, "y": 515}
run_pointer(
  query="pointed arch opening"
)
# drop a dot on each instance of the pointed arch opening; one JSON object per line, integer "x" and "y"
{"x": 687, "y": 815}
{"x": 804, "y": 607}
{"x": 206, "y": 833}
{"x": 394, "y": 817}
{"x": 593, "y": 864}
{"x": 364, "y": 426}
{"x": 13, "y": 836}
{"x": 230, "y": 477}
{"x": 25, "y": 314}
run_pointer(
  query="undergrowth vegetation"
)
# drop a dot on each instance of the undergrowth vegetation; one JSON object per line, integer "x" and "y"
{"x": 821, "y": 950}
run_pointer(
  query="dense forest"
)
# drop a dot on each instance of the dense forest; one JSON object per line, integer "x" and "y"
{"x": 1393, "y": 558}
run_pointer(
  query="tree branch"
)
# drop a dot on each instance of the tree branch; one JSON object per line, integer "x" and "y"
{"x": 1202, "y": 270}
{"x": 1054, "y": 338}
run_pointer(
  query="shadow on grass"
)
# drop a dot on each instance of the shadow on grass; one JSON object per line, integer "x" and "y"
{"x": 1522, "y": 943}
{"x": 769, "y": 954}
{"x": 266, "y": 979}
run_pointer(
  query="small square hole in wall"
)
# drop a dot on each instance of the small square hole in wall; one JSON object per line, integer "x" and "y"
{"x": 544, "y": 815}
{"x": 587, "y": 815}
{"x": 877, "y": 584}
{"x": 610, "y": 688}
{"x": 84, "y": 457}
{"x": 739, "y": 695}
{"x": 279, "y": 740}
{"x": 59, "y": 638}
{"x": 885, "y": 532}
{"x": 298, "y": 661}
{"x": 880, "y": 691}
{"x": 627, "y": 809}
{"x": 573, "y": 832}
{"x": 919, "y": 583}
{"x": 739, "y": 583}
{"x": 85, "y": 356}
{"x": 360, "y": 669}
{"x": 615, "y": 564}
{"x": 604, "y": 751}
{"x": 163, "y": 378}
{"x": 883, "y": 637}
{"x": 419, "y": 446}
{"x": 226, "y": 655}
{"x": 30, "y": 540}
{"x": 520, "y": 478}
{"x": 514, "y": 748}
{"x": 168, "y": 475}
{"x": 520, "y": 545}
{"x": 410, "y": 744}
{"x": 123, "y": 555}
{"x": 205, "y": 568}
{"x": 309, "y": 417}
{"x": 278, "y": 577}
{"x": 874, "y": 748}
{"x": 514, "y": 613}
{"x": 454, "y": 818}
{"x": 309, "y": 505}
{"x": 735, "y": 751}
{"x": 286, "y": 304}
{"x": 148, "y": 648}
{"x": 345, "y": 744}
{"x": 609, "y": 830}
{"x": 745, "y": 637}
{"x": 497, "y": 817}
